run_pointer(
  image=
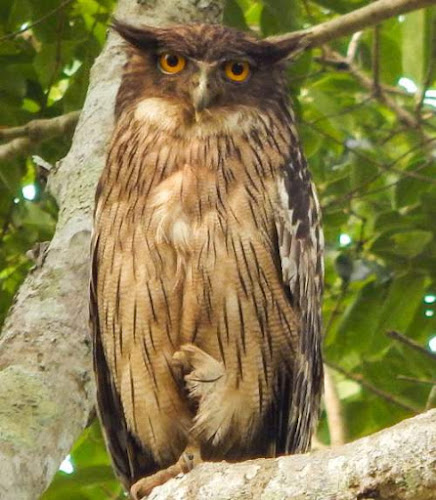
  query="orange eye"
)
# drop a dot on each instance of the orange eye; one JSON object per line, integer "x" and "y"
{"x": 171, "y": 63}
{"x": 237, "y": 71}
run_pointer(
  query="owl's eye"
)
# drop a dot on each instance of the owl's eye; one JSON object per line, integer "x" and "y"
{"x": 171, "y": 63}
{"x": 237, "y": 71}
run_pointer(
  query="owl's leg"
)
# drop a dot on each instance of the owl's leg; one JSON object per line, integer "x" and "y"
{"x": 190, "y": 457}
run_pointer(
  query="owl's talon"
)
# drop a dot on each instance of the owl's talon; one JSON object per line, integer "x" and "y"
{"x": 180, "y": 360}
{"x": 191, "y": 458}
{"x": 192, "y": 358}
{"x": 144, "y": 486}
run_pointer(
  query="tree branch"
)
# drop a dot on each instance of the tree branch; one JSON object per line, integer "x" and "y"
{"x": 357, "y": 20}
{"x": 370, "y": 387}
{"x": 35, "y": 23}
{"x": 24, "y": 139}
{"x": 336, "y": 59}
{"x": 335, "y": 417}
{"x": 411, "y": 343}
{"x": 395, "y": 464}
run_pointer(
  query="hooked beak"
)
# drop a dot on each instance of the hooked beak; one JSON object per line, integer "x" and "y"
{"x": 201, "y": 98}
{"x": 201, "y": 93}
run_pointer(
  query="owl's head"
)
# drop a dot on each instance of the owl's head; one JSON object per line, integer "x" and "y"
{"x": 203, "y": 67}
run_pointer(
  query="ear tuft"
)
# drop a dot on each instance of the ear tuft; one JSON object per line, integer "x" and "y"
{"x": 144, "y": 38}
{"x": 286, "y": 47}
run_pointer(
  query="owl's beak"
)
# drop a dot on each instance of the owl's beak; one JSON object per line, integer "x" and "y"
{"x": 201, "y": 92}
{"x": 200, "y": 99}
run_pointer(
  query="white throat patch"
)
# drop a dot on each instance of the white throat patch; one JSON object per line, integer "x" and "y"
{"x": 172, "y": 117}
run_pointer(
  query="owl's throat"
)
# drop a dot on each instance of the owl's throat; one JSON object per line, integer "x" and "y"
{"x": 182, "y": 120}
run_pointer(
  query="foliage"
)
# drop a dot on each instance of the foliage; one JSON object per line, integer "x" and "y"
{"x": 375, "y": 176}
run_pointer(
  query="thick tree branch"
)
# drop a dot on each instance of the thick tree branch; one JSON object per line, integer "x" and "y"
{"x": 395, "y": 464}
{"x": 357, "y": 20}
{"x": 23, "y": 139}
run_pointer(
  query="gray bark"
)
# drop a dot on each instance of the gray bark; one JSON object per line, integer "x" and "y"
{"x": 395, "y": 464}
{"x": 46, "y": 387}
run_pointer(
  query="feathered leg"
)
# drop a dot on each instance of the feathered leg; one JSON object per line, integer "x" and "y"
{"x": 187, "y": 359}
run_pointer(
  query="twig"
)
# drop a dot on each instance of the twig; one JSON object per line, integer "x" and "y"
{"x": 347, "y": 24}
{"x": 58, "y": 59}
{"x": 403, "y": 115}
{"x": 416, "y": 380}
{"x": 431, "y": 400}
{"x": 354, "y": 193}
{"x": 370, "y": 387}
{"x": 335, "y": 418}
{"x": 7, "y": 221}
{"x": 430, "y": 70}
{"x": 308, "y": 10}
{"x": 385, "y": 168}
{"x": 341, "y": 66}
{"x": 35, "y": 132}
{"x": 353, "y": 46}
{"x": 411, "y": 343}
{"x": 336, "y": 308}
{"x": 35, "y": 23}
{"x": 344, "y": 111}
{"x": 376, "y": 60}
{"x": 426, "y": 85}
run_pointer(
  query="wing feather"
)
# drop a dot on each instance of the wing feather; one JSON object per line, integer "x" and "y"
{"x": 300, "y": 242}
{"x": 130, "y": 459}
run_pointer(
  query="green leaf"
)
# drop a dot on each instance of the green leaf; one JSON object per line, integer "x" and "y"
{"x": 397, "y": 311}
{"x": 234, "y": 16}
{"x": 355, "y": 332}
{"x": 409, "y": 190}
{"x": 416, "y": 44}
{"x": 279, "y": 16}
{"x": 341, "y": 6}
{"x": 51, "y": 59}
{"x": 311, "y": 141}
{"x": 411, "y": 243}
{"x": 390, "y": 52}
{"x": 12, "y": 82}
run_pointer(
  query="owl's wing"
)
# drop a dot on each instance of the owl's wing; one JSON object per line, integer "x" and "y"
{"x": 131, "y": 460}
{"x": 300, "y": 246}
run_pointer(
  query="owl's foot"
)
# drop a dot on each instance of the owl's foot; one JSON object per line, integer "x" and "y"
{"x": 203, "y": 374}
{"x": 197, "y": 365}
{"x": 143, "y": 487}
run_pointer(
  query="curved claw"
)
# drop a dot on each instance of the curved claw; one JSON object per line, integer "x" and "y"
{"x": 144, "y": 486}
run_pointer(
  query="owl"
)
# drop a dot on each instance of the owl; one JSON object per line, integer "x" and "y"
{"x": 206, "y": 259}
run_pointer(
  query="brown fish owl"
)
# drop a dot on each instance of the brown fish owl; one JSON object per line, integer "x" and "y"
{"x": 207, "y": 259}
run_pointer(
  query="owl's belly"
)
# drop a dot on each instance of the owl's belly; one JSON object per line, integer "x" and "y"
{"x": 233, "y": 301}
{"x": 232, "y": 306}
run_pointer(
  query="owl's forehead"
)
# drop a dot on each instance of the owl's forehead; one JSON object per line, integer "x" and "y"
{"x": 210, "y": 43}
